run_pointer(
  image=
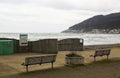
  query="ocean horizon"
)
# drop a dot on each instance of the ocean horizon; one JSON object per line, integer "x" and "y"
{"x": 89, "y": 39}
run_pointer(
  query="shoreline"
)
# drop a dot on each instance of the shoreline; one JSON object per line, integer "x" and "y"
{"x": 100, "y": 46}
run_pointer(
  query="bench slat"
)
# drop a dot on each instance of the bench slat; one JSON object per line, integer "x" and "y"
{"x": 32, "y": 60}
{"x": 101, "y": 52}
{"x": 39, "y": 60}
{"x": 48, "y": 59}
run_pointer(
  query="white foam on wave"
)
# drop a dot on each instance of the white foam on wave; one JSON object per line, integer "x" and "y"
{"x": 89, "y": 39}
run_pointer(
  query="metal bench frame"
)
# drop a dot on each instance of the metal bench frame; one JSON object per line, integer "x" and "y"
{"x": 101, "y": 52}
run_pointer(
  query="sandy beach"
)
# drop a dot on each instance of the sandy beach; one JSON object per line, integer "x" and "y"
{"x": 10, "y": 66}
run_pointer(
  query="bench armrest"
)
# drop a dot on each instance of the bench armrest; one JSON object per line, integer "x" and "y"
{"x": 23, "y": 64}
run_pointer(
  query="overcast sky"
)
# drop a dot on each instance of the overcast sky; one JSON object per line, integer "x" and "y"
{"x": 50, "y": 15}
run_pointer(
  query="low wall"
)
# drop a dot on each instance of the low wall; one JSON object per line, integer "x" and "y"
{"x": 48, "y": 45}
{"x": 45, "y": 46}
{"x": 70, "y": 44}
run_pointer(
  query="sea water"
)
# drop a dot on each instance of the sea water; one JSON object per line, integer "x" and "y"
{"x": 89, "y": 39}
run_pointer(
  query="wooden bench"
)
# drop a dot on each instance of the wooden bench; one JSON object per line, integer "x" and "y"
{"x": 39, "y": 60}
{"x": 101, "y": 52}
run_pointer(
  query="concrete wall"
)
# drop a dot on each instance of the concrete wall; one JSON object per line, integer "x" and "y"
{"x": 45, "y": 46}
{"x": 48, "y": 45}
{"x": 70, "y": 44}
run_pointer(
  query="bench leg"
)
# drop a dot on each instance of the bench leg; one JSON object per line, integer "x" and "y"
{"x": 94, "y": 59}
{"x": 52, "y": 65}
{"x": 107, "y": 57}
{"x": 27, "y": 68}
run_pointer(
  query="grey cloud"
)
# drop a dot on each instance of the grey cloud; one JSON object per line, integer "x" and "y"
{"x": 22, "y": 1}
{"x": 90, "y": 5}
{"x": 13, "y": 1}
{"x": 97, "y": 6}
{"x": 60, "y": 5}
{"x": 93, "y": 5}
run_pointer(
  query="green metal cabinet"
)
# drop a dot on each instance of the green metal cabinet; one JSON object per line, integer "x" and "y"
{"x": 6, "y": 47}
